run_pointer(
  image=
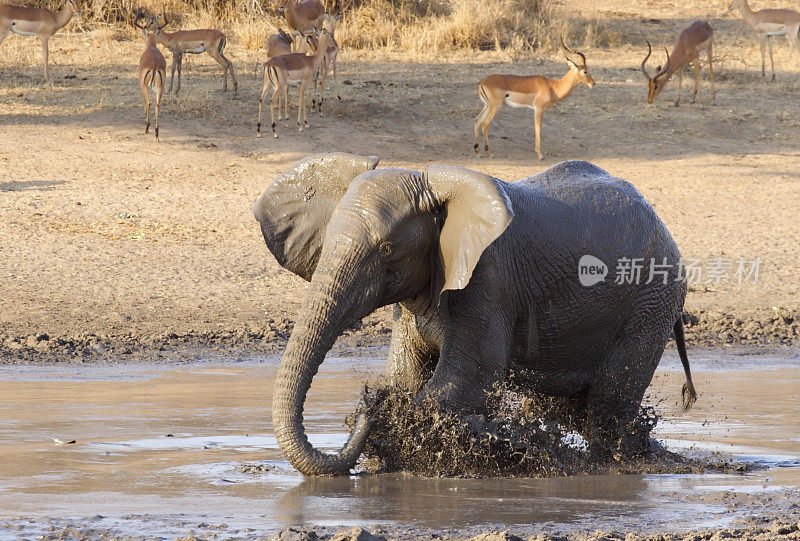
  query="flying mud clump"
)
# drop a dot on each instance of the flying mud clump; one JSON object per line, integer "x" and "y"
{"x": 521, "y": 435}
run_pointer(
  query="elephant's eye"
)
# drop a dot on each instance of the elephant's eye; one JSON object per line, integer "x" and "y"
{"x": 385, "y": 249}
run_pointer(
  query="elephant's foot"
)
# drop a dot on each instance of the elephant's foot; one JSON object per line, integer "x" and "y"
{"x": 612, "y": 436}
{"x": 453, "y": 399}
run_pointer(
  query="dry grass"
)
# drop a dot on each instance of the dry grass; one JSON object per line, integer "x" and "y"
{"x": 426, "y": 28}
{"x": 458, "y": 24}
{"x": 414, "y": 26}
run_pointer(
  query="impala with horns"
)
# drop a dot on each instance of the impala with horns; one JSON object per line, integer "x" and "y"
{"x": 329, "y": 62}
{"x": 295, "y": 68}
{"x": 533, "y": 92}
{"x": 152, "y": 69}
{"x": 304, "y": 17}
{"x": 278, "y": 45}
{"x": 768, "y": 23}
{"x": 194, "y": 42}
{"x": 696, "y": 38}
{"x": 40, "y": 22}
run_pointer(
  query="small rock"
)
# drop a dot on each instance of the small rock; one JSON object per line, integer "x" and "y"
{"x": 357, "y": 533}
{"x": 12, "y": 344}
{"x": 782, "y": 528}
{"x": 496, "y": 536}
{"x": 296, "y": 534}
{"x": 721, "y": 534}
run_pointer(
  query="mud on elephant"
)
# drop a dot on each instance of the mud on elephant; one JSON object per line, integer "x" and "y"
{"x": 484, "y": 274}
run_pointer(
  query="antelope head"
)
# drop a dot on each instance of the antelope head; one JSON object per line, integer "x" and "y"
{"x": 76, "y": 9}
{"x": 656, "y": 83}
{"x": 160, "y": 21}
{"x": 141, "y": 14}
{"x": 286, "y": 37}
{"x": 582, "y": 71}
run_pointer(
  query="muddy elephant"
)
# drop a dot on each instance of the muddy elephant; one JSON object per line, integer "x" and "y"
{"x": 485, "y": 279}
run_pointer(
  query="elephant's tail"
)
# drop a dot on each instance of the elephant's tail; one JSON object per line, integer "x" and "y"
{"x": 688, "y": 393}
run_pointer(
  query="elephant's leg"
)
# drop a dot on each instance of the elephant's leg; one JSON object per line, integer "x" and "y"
{"x": 474, "y": 357}
{"x": 411, "y": 360}
{"x": 614, "y": 398}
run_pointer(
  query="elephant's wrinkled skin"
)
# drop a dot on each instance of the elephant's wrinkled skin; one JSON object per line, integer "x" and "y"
{"x": 485, "y": 274}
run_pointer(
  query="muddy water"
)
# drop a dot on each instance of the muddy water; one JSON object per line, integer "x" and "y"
{"x": 159, "y": 450}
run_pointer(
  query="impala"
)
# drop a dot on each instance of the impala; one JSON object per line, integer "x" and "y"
{"x": 304, "y": 17}
{"x": 535, "y": 91}
{"x": 278, "y": 45}
{"x": 295, "y": 68}
{"x": 697, "y": 37}
{"x": 330, "y": 62}
{"x": 194, "y": 42}
{"x": 768, "y": 23}
{"x": 36, "y": 22}
{"x": 152, "y": 69}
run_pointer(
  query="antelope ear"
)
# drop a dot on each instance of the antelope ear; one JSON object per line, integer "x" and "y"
{"x": 478, "y": 210}
{"x": 295, "y": 209}
{"x": 572, "y": 64}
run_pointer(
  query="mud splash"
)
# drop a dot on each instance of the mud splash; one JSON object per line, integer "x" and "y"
{"x": 521, "y": 435}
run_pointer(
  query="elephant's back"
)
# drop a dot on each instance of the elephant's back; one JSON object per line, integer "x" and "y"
{"x": 578, "y": 202}
{"x": 586, "y": 188}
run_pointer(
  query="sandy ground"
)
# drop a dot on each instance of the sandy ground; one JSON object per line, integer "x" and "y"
{"x": 110, "y": 242}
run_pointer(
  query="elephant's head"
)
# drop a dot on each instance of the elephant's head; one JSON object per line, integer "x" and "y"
{"x": 366, "y": 238}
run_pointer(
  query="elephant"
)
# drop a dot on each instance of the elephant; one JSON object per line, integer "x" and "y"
{"x": 484, "y": 278}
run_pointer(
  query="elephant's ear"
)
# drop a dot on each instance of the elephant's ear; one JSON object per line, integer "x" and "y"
{"x": 478, "y": 211}
{"x": 295, "y": 209}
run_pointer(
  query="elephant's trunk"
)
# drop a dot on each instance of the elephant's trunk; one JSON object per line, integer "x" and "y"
{"x": 312, "y": 338}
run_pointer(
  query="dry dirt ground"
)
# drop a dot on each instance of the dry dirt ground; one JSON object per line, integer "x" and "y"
{"x": 110, "y": 242}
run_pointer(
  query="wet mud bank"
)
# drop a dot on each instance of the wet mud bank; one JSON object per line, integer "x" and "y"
{"x": 770, "y": 328}
{"x": 758, "y": 529}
